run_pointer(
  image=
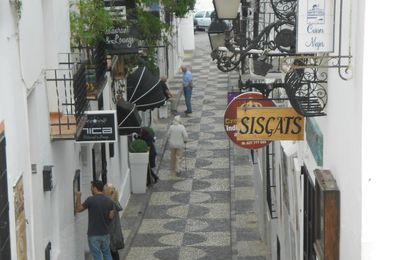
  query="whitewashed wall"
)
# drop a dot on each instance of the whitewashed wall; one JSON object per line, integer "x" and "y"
{"x": 380, "y": 206}
{"x": 187, "y": 33}
{"x": 13, "y": 110}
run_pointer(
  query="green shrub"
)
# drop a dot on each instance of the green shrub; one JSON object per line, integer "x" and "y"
{"x": 138, "y": 146}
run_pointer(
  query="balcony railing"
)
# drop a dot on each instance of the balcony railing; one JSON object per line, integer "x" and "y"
{"x": 67, "y": 109}
{"x": 71, "y": 87}
{"x": 96, "y": 68}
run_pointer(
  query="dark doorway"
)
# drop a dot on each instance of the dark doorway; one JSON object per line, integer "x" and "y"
{"x": 99, "y": 162}
{"x": 5, "y": 250}
{"x": 309, "y": 213}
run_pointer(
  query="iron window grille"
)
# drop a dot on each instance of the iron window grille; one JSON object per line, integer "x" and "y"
{"x": 270, "y": 181}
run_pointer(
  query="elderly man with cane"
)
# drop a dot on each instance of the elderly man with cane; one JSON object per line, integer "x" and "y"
{"x": 177, "y": 138}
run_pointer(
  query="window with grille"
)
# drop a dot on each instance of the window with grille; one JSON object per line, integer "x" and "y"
{"x": 270, "y": 180}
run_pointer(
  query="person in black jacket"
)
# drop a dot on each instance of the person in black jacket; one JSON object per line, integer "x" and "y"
{"x": 147, "y": 134}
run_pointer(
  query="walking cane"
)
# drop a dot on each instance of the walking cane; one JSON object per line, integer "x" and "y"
{"x": 185, "y": 159}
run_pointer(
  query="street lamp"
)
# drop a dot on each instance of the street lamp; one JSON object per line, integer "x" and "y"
{"x": 216, "y": 33}
{"x": 226, "y": 9}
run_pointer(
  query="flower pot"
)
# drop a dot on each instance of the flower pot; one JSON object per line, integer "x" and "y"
{"x": 138, "y": 163}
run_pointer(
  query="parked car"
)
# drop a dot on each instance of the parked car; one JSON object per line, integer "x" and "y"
{"x": 202, "y": 19}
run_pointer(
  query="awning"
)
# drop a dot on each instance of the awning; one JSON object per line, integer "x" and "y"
{"x": 129, "y": 120}
{"x": 144, "y": 90}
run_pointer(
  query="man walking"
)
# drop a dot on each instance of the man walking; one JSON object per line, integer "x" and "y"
{"x": 177, "y": 137}
{"x": 101, "y": 212}
{"x": 187, "y": 88}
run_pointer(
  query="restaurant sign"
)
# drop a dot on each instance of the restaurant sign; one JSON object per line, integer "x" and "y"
{"x": 100, "y": 127}
{"x": 244, "y": 100}
{"x": 121, "y": 40}
{"x": 269, "y": 123}
{"x": 315, "y": 26}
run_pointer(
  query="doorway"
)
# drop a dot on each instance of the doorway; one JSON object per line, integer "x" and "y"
{"x": 308, "y": 215}
{"x": 5, "y": 250}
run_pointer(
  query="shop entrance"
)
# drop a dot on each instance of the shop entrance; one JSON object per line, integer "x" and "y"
{"x": 99, "y": 162}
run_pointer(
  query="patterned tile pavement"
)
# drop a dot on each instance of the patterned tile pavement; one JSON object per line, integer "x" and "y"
{"x": 206, "y": 212}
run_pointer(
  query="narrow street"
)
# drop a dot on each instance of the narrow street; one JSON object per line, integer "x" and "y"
{"x": 207, "y": 211}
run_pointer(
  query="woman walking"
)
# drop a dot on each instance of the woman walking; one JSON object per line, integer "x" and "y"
{"x": 177, "y": 138}
{"x": 116, "y": 236}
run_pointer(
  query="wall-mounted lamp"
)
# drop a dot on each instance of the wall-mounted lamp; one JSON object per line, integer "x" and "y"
{"x": 216, "y": 33}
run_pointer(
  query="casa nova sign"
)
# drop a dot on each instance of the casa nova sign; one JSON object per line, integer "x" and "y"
{"x": 315, "y": 26}
{"x": 252, "y": 122}
{"x": 269, "y": 123}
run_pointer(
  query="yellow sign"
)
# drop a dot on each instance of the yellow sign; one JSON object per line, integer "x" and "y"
{"x": 269, "y": 123}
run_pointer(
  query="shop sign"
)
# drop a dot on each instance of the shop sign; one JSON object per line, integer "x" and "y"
{"x": 315, "y": 140}
{"x": 121, "y": 40}
{"x": 315, "y": 26}
{"x": 267, "y": 123}
{"x": 100, "y": 127}
{"x": 245, "y": 100}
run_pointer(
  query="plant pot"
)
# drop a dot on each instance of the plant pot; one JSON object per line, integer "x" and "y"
{"x": 138, "y": 163}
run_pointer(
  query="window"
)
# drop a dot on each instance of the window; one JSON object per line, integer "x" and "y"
{"x": 208, "y": 14}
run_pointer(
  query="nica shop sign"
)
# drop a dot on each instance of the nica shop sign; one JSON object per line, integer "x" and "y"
{"x": 315, "y": 26}
{"x": 244, "y": 100}
{"x": 268, "y": 123}
{"x": 100, "y": 127}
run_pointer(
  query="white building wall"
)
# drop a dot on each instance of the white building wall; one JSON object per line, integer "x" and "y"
{"x": 187, "y": 33}
{"x": 380, "y": 106}
{"x": 342, "y": 143}
{"x": 13, "y": 111}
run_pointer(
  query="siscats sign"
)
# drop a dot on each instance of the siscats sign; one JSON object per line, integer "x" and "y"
{"x": 269, "y": 124}
{"x": 244, "y": 101}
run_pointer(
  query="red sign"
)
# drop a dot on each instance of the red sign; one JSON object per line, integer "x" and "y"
{"x": 248, "y": 99}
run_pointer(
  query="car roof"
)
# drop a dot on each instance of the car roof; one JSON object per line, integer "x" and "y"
{"x": 205, "y": 10}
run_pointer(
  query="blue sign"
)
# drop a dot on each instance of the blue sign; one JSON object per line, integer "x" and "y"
{"x": 315, "y": 140}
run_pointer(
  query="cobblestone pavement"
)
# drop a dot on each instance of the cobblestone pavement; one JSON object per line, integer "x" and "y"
{"x": 206, "y": 212}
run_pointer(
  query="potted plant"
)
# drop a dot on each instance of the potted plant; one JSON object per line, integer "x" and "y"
{"x": 138, "y": 162}
{"x": 89, "y": 21}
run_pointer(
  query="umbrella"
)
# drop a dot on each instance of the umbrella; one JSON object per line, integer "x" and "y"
{"x": 129, "y": 120}
{"x": 144, "y": 90}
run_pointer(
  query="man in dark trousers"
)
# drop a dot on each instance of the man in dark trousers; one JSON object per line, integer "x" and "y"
{"x": 101, "y": 212}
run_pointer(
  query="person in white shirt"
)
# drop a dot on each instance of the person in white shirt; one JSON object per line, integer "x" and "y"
{"x": 177, "y": 137}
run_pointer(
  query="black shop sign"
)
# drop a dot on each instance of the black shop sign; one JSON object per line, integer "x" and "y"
{"x": 100, "y": 127}
{"x": 121, "y": 40}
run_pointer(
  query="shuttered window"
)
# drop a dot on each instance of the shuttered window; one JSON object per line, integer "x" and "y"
{"x": 5, "y": 252}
